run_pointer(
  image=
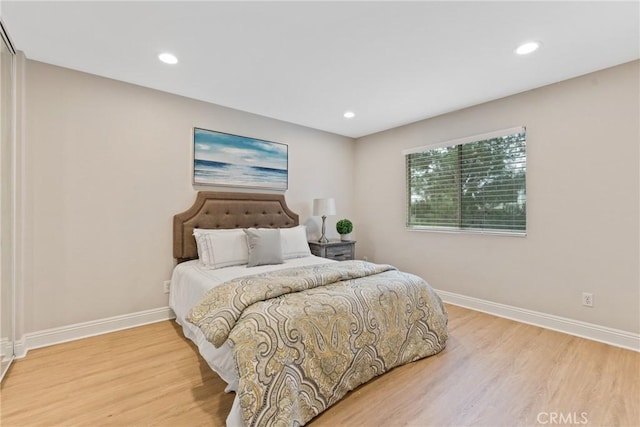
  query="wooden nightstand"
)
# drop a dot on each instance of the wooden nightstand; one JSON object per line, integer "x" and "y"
{"x": 335, "y": 249}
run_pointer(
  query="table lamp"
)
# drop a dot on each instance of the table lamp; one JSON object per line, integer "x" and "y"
{"x": 323, "y": 208}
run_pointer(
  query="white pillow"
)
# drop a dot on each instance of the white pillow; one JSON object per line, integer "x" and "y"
{"x": 221, "y": 248}
{"x": 294, "y": 242}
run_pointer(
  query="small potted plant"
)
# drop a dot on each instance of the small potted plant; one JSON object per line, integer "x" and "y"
{"x": 344, "y": 227}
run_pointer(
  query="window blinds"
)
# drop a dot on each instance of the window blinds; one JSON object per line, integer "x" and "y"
{"x": 474, "y": 183}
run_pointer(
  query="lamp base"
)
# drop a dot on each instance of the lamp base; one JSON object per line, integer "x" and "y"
{"x": 323, "y": 238}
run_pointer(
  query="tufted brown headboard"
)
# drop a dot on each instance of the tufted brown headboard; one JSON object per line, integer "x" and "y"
{"x": 228, "y": 210}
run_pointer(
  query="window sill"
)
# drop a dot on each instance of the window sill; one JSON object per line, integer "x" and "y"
{"x": 448, "y": 230}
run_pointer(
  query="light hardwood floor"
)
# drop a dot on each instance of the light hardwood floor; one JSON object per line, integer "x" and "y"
{"x": 494, "y": 372}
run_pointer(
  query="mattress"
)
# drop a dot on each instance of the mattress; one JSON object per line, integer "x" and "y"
{"x": 189, "y": 283}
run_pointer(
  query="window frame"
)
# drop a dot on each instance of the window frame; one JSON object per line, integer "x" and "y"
{"x": 458, "y": 229}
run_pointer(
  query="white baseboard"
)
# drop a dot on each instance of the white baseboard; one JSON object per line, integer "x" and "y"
{"x": 615, "y": 337}
{"x": 78, "y": 331}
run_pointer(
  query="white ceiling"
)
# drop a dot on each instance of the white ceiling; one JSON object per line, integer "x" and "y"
{"x": 392, "y": 63}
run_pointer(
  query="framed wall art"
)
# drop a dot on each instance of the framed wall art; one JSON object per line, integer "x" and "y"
{"x": 238, "y": 161}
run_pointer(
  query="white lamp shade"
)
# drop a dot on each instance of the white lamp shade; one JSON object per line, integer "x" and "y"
{"x": 324, "y": 207}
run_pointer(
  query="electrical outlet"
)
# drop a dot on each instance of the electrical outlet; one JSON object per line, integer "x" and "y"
{"x": 167, "y": 285}
{"x": 587, "y": 299}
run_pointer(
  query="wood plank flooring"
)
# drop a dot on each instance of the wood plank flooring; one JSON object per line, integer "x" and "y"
{"x": 494, "y": 372}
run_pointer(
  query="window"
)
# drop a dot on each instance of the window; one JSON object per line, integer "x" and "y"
{"x": 474, "y": 184}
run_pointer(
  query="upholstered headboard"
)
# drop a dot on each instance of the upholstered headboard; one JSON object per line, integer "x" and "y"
{"x": 228, "y": 210}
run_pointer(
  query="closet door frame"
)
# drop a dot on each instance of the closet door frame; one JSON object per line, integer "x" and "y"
{"x": 8, "y": 230}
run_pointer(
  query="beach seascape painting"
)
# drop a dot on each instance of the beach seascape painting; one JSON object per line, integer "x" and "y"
{"x": 238, "y": 161}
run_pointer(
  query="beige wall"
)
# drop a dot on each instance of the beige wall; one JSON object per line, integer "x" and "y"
{"x": 583, "y": 193}
{"x": 106, "y": 166}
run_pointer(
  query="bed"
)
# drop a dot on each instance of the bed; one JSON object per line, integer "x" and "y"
{"x": 289, "y": 332}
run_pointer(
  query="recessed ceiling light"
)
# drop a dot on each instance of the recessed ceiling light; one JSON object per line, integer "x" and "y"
{"x": 168, "y": 58}
{"x": 349, "y": 115}
{"x": 528, "y": 47}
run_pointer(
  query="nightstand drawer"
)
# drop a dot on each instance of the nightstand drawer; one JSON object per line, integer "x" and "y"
{"x": 337, "y": 250}
{"x": 340, "y": 253}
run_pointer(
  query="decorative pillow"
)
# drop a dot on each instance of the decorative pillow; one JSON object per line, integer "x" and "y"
{"x": 294, "y": 242}
{"x": 265, "y": 246}
{"x": 221, "y": 248}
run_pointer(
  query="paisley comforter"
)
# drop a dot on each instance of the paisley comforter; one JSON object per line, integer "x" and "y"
{"x": 303, "y": 337}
